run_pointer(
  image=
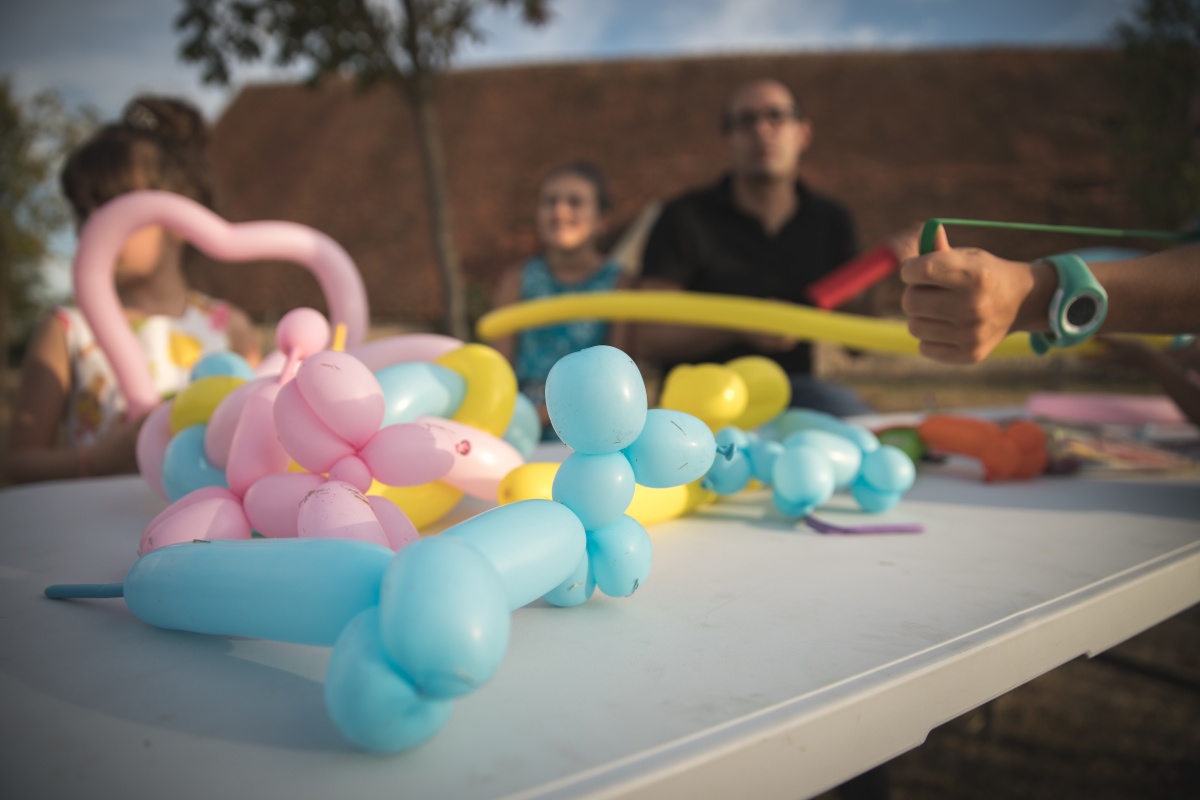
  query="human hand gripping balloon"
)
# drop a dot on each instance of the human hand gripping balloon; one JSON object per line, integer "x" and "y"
{"x": 961, "y": 303}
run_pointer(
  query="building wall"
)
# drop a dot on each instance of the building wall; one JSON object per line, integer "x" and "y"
{"x": 1027, "y": 135}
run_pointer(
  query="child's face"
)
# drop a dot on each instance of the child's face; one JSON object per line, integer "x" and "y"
{"x": 141, "y": 254}
{"x": 568, "y": 215}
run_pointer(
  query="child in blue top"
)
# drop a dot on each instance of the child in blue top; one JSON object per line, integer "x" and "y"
{"x": 572, "y": 202}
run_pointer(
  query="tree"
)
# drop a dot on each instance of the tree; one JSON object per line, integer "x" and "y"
{"x": 35, "y": 134}
{"x": 406, "y": 44}
{"x": 1161, "y": 70}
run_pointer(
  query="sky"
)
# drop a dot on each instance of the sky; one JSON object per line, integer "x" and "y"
{"x": 100, "y": 53}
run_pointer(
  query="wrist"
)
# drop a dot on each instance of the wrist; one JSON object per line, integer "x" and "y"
{"x": 1033, "y": 315}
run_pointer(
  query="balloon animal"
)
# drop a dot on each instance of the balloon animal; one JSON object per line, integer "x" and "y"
{"x": 414, "y": 630}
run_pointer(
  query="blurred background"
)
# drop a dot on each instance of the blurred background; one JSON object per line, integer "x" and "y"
{"x": 423, "y": 160}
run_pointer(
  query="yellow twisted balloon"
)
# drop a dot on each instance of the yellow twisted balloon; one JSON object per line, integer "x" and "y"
{"x": 732, "y": 312}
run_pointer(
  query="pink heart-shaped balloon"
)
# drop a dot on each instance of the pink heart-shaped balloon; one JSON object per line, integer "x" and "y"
{"x": 101, "y": 239}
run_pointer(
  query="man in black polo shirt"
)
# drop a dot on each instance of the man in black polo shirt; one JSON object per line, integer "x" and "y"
{"x": 758, "y": 232}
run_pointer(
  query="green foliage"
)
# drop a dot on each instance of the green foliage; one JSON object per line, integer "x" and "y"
{"x": 372, "y": 41}
{"x": 35, "y": 135}
{"x": 406, "y": 43}
{"x": 1161, "y": 72}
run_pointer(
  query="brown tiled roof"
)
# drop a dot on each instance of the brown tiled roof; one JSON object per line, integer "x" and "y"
{"x": 998, "y": 134}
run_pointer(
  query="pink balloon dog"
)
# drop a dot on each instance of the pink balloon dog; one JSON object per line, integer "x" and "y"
{"x": 327, "y": 419}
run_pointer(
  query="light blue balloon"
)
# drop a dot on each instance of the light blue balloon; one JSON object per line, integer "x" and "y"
{"x": 842, "y": 453}
{"x": 525, "y": 428}
{"x": 795, "y": 419}
{"x": 731, "y": 436}
{"x": 532, "y": 545}
{"x": 222, "y": 362}
{"x": 598, "y": 488}
{"x": 871, "y": 499}
{"x": 577, "y": 589}
{"x": 419, "y": 389}
{"x": 889, "y": 469}
{"x": 803, "y": 477}
{"x": 763, "y": 455}
{"x": 185, "y": 468}
{"x": 620, "y": 555}
{"x": 728, "y": 474}
{"x": 291, "y": 590}
{"x": 790, "y": 509}
{"x": 674, "y": 448}
{"x": 445, "y": 616}
{"x": 370, "y": 703}
{"x": 596, "y": 400}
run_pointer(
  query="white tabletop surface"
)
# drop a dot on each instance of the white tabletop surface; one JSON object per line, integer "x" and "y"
{"x": 759, "y": 660}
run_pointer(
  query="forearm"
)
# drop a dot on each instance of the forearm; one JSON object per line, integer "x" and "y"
{"x": 1158, "y": 293}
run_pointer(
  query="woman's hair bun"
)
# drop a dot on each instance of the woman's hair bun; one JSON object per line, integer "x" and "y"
{"x": 174, "y": 122}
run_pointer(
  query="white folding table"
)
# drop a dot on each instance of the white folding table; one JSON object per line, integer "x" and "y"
{"x": 761, "y": 659}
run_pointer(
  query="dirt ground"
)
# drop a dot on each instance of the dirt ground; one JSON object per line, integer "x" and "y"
{"x": 1120, "y": 726}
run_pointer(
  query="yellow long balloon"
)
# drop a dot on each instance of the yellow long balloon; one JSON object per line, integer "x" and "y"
{"x": 730, "y": 312}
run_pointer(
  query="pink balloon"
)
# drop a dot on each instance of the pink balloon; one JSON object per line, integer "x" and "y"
{"x": 218, "y": 436}
{"x": 409, "y": 454}
{"x": 344, "y": 394}
{"x": 101, "y": 239}
{"x": 209, "y": 513}
{"x": 352, "y": 470}
{"x": 303, "y": 435}
{"x": 272, "y": 503}
{"x": 302, "y": 332}
{"x": 481, "y": 460}
{"x": 202, "y": 493}
{"x": 382, "y": 353}
{"x": 397, "y": 527}
{"x": 338, "y": 510}
{"x": 255, "y": 450}
{"x": 151, "y": 444}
